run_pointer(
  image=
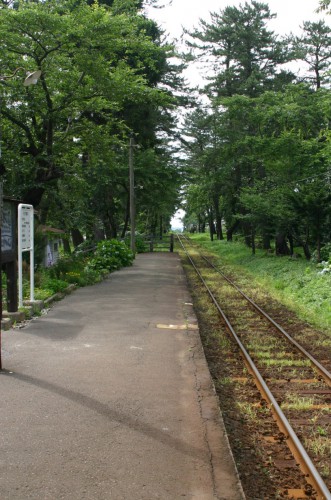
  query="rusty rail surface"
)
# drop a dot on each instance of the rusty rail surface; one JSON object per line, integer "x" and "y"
{"x": 293, "y": 441}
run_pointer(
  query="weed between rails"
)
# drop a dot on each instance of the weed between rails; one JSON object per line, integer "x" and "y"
{"x": 246, "y": 420}
{"x": 295, "y": 283}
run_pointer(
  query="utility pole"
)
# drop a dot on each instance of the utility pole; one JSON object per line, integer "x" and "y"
{"x": 132, "y": 197}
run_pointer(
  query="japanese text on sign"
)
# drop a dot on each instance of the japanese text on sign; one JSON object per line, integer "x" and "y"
{"x": 26, "y": 214}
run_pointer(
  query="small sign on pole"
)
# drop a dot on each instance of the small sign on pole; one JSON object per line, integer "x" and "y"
{"x": 25, "y": 244}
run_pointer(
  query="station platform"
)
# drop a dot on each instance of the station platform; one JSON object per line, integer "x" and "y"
{"x": 108, "y": 396}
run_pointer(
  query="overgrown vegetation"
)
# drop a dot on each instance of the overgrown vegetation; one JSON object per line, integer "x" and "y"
{"x": 259, "y": 154}
{"x": 80, "y": 269}
{"x": 295, "y": 282}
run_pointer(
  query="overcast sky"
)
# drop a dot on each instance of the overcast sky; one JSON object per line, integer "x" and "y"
{"x": 178, "y": 13}
{"x": 186, "y": 13}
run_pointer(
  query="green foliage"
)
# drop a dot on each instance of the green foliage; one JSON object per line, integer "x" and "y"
{"x": 68, "y": 270}
{"x": 325, "y": 253}
{"x": 141, "y": 245}
{"x": 259, "y": 157}
{"x": 294, "y": 282}
{"x": 78, "y": 269}
{"x": 70, "y": 133}
{"x": 110, "y": 255}
{"x": 85, "y": 249}
{"x": 314, "y": 49}
{"x": 54, "y": 285}
{"x": 248, "y": 53}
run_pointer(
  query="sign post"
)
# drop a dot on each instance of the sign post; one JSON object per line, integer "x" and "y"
{"x": 25, "y": 244}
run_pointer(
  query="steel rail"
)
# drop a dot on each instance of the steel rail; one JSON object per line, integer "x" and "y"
{"x": 319, "y": 367}
{"x": 294, "y": 443}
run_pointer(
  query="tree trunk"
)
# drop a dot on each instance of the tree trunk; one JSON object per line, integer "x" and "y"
{"x": 247, "y": 228}
{"x": 154, "y": 226}
{"x": 231, "y": 230}
{"x": 161, "y": 227}
{"x": 127, "y": 218}
{"x": 305, "y": 246}
{"x": 98, "y": 234}
{"x": 306, "y": 250}
{"x": 291, "y": 242}
{"x": 110, "y": 227}
{"x": 253, "y": 241}
{"x": 281, "y": 245}
{"x": 77, "y": 237}
{"x": 218, "y": 217}
{"x": 66, "y": 246}
{"x": 266, "y": 241}
{"x": 211, "y": 225}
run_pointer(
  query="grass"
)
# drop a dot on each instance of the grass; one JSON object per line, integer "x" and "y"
{"x": 325, "y": 470}
{"x": 295, "y": 402}
{"x": 293, "y": 282}
{"x": 319, "y": 446}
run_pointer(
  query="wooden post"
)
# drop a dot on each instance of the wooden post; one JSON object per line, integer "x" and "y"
{"x": 12, "y": 295}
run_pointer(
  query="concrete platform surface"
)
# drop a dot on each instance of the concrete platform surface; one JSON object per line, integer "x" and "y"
{"x": 108, "y": 396}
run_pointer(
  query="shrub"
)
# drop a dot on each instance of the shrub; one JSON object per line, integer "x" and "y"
{"x": 77, "y": 269}
{"x": 110, "y": 255}
{"x": 325, "y": 253}
{"x": 53, "y": 285}
{"x": 86, "y": 248}
{"x": 141, "y": 245}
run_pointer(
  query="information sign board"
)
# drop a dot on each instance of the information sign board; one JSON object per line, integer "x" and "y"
{"x": 25, "y": 244}
{"x": 26, "y": 224}
{"x": 8, "y": 228}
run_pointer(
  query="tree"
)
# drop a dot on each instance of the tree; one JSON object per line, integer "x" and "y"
{"x": 82, "y": 53}
{"x": 204, "y": 151}
{"x": 290, "y": 202}
{"x": 101, "y": 67}
{"x": 246, "y": 54}
{"x": 324, "y": 4}
{"x": 314, "y": 47}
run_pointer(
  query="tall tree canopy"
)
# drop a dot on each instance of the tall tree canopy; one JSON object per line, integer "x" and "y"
{"x": 101, "y": 65}
{"x": 245, "y": 52}
{"x": 314, "y": 48}
{"x": 259, "y": 154}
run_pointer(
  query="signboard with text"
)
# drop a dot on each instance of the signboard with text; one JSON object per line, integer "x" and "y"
{"x": 8, "y": 228}
{"x": 26, "y": 224}
{"x": 8, "y": 207}
{"x": 25, "y": 244}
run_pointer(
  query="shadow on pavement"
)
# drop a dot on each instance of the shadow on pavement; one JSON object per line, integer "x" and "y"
{"x": 113, "y": 415}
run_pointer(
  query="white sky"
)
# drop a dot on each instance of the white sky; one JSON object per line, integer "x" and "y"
{"x": 186, "y": 13}
{"x": 178, "y": 13}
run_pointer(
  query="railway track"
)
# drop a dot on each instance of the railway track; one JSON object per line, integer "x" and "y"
{"x": 294, "y": 385}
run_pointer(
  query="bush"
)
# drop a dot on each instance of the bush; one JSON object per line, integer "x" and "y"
{"x": 325, "y": 253}
{"x": 53, "y": 285}
{"x": 78, "y": 269}
{"x": 86, "y": 248}
{"x": 110, "y": 255}
{"x": 141, "y": 245}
